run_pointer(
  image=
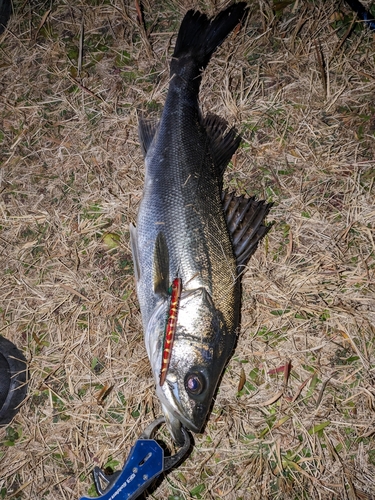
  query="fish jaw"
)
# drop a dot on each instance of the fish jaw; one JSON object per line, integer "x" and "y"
{"x": 201, "y": 348}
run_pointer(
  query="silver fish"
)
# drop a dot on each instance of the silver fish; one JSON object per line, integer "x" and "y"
{"x": 189, "y": 229}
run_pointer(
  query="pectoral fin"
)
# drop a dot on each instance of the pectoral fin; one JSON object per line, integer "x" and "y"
{"x": 161, "y": 266}
{"x": 134, "y": 248}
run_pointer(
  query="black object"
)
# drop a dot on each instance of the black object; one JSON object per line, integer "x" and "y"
{"x": 5, "y": 12}
{"x": 13, "y": 380}
{"x": 145, "y": 463}
{"x": 362, "y": 13}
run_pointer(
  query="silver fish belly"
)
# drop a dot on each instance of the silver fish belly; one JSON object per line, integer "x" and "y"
{"x": 187, "y": 228}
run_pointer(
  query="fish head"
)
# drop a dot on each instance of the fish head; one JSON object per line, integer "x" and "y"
{"x": 201, "y": 347}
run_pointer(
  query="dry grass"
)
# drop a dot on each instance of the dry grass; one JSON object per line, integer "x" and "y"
{"x": 301, "y": 87}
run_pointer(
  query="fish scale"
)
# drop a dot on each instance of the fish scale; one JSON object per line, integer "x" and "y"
{"x": 182, "y": 232}
{"x": 177, "y": 198}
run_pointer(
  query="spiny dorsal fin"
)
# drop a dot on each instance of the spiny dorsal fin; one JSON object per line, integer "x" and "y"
{"x": 245, "y": 220}
{"x": 161, "y": 266}
{"x": 147, "y": 128}
{"x": 224, "y": 142}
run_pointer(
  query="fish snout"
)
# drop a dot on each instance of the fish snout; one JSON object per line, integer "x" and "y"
{"x": 199, "y": 417}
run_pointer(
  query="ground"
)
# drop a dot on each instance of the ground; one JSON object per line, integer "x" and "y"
{"x": 294, "y": 416}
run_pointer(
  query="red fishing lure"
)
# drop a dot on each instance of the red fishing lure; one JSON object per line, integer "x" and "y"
{"x": 170, "y": 328}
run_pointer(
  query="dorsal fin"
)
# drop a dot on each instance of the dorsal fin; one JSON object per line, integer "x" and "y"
{"x": 161, "y": 266}
{"x": 245, "y": 220}
{"x": 147, "y": 128}
{"x": 224, "y": 142}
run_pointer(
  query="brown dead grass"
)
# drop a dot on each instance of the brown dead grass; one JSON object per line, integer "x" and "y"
{"x": 301, "y": 88}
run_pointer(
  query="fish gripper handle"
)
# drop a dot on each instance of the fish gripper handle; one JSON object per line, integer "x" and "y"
{"x": 145, "y": 463}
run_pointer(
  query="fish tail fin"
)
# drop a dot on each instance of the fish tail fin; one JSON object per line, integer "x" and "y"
{"x": 199, "y": 37}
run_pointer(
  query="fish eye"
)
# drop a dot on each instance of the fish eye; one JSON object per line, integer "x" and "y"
{"x": 194, "y": 383}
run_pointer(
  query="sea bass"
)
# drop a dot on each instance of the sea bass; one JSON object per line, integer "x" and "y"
{"x": 192, "y": 238}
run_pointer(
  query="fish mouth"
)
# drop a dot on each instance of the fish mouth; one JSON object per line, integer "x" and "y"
{"x": 175, "y": 423}
{"x": 188, "y": 424}
{"x": 176, "y": 418}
